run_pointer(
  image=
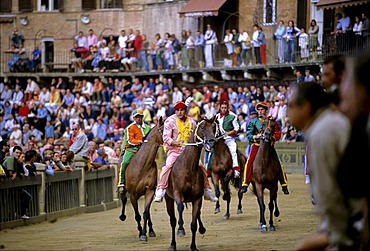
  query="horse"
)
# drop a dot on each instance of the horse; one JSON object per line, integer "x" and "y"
{"x": 141, "y": 179}
{"x": 266, "y": 174}
{"x": 221, "y": 164}
{"x": 186, "y": 181}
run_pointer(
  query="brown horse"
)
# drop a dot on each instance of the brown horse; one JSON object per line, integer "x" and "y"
{"x": 266, "y": 174}
{"x": 186, "y": 181}
{"x": 222, "y": 169}
{"x": 141, "y": 179}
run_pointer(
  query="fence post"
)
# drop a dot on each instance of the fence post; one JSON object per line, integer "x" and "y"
{"x": 41, "y": 194}
{"x": 82, "y": 188}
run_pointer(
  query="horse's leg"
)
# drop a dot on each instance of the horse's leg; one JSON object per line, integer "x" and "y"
{"x": 273, "y": 197}
{"x": 135, "y": 205}
{"x": 170, "y": 207}
{"x": 180, "y": 209}
{"x": 240, "y": 197}
{"x": 146, "y": 215}
{"x": 215, "y": 180}
{"x": 197, "y": 205}
{"x": 149, "y": 197}
{"x": 227, "y": 197}
{"x": 123, "y": 198}
{"x": 259, "y": 193}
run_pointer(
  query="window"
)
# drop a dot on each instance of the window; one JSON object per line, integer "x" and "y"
{"x": 25, "y": 5}
{"x": 111, "y": 4}
{"x": 269, "y": 12}
{"x": 49, "y": 5}
{"x": 6, "y": 6}
{"x": 88, "y": 4}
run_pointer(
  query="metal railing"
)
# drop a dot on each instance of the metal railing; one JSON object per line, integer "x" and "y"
{"x": 329, "y": 45}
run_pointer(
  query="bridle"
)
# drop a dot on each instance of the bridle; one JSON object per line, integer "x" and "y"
{"x": 263, "y": 132}
{"x": 198, "y": 140}
{"x": 160, "y": 130}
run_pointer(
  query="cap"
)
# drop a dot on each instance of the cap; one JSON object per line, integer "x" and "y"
{"x": 224, "y": 101}
{"x": 253, "y": 111}
{"x": 179, "y": 105}
{"x": 88, "y": 128}
{"x": 263, "y": 105}
{"x": 137, "y": 112}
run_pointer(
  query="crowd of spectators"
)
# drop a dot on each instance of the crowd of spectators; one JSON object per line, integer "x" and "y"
{"x": 130, "y": 50}
{"x": 42, "y": 119}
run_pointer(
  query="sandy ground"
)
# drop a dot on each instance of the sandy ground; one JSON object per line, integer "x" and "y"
{"x": 104, "y": 231}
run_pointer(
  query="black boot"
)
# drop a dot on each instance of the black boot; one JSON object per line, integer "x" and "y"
{"x": 244, "y": 189}
{"x": 285, "y": 190}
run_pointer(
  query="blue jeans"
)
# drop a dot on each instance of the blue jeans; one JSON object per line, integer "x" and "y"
{"x": 281, "y": 50}
{"x": 143, "y": 60}
{"x": 290, "y": 49}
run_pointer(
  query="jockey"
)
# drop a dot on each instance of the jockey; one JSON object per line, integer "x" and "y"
{"x": 132, "y": 140}
{"x": 176, "y": 133}
{"x": 253, "y": 137}
{"x": 229, "y": 127}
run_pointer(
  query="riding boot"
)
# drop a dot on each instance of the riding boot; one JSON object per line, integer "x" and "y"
{"x": 285, "y": 190}
{"x": 244, "y": 189}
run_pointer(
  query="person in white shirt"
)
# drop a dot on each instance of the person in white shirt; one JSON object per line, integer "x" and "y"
{"x": 177, "y": 95}
{"x": 229, "y": 46}
{"x": 245, "y": 41}
{"x": 210, "y": 39}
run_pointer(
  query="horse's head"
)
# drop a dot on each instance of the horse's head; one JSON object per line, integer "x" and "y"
{"x": 205, "y": 133}
{"x": 268, "y": 129}
{"x": 155, "y": 136}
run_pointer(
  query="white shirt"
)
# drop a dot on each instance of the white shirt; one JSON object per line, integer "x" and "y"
{"x": 44, "y": 97}
{"x": 122, "y": 41}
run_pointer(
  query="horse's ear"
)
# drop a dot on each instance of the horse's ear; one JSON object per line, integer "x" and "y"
{"x": 160, "y": 121}
{"x": 213, "y": 119}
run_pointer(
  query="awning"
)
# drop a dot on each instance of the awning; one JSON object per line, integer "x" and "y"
{"x": 7, "y": 18}
{"x": 332, "y": 4}
{"x": 201, "y": 8}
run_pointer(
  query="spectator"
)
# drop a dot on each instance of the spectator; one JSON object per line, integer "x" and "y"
{"x": 79, "y": 146}
{"x": 210, "y": 39}
{"x": 92, "y": 40}
{"x": 279, "y": 36}
{"x": 310, "y": 110}
{"x": 313, "y": 33}
{"x": 262, "y": 40}
{"x": 291, "y": 34}
{"x": 303, "y": 43}
{"x": 12, "y": 164}
{"x": 17, "y": 39}
{"x": 14, "y": 58}
{"x": 256, "y": 44}
{"x": 101, "y": 162}
{"x": 199, "y": 48}
{"x": 308, "y": 77}
{"x": 35, "y": 59}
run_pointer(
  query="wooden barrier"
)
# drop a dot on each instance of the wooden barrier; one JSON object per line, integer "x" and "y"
{"x": 79, "y": 192}
{"x": 63, "y": 194}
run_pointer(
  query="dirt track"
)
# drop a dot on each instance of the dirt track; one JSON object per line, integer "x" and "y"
{"x": 104, "y": 231}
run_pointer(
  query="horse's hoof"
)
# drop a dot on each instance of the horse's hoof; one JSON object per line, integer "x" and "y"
{"x": 226, "y": 216}
{"x": 272, "y": 228}
{"x": 239, "y": 211}
{"x": 263, "y": 228}
{"x": 143, "y": 238}
{"x": 180, "y": 233}
{"x": 172, "y": 248}
{"x": 277, "y": 213}
{"x": 217, "y": 210}
{"x": 202, "y": 230}
{"x": 122, "y": 217}
{"x": 152, "y": 234}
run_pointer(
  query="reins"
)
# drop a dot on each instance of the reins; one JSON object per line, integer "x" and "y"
{"x": 153, "y": 142}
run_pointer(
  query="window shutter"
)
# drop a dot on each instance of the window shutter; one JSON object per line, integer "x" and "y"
{"x": 88, "y": 4}
{"x": 25, "y": 5}
{"x": 6, "y": 6}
